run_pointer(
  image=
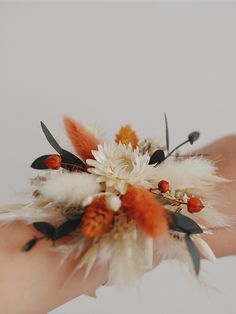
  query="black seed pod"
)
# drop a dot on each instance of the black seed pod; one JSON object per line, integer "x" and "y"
{"x": 193, "y": 137}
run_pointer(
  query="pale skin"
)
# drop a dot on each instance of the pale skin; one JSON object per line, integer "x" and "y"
{"x": 33, "y": 283}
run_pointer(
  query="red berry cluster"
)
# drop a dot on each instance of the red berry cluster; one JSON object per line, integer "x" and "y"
{"x": 194, "y": 204}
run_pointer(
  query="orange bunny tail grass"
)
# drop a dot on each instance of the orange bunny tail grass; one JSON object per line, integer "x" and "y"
{"x": 127, "y": 136}
{"x": 148, "y": 214}
{"x": 83, "y": 140}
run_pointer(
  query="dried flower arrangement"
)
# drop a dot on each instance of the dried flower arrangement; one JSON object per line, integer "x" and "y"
{"x": 121, "y": 202}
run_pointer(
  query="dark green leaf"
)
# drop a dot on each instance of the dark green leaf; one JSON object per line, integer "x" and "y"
{"x": 72, "y": 162}
{"x": 75, "y": 216}
{"x": 193, "y": 137}
{"x": 29, "y": 245}
{"x": 69, "y": 160}
{"x": 51, "y": 139}
{"x": 45, "y": 228}
{"x": 184, "y": 224}
{"x": 66, "y": 228}
{"x": 157, "y": 157}
{"x": 167, "y": 135}
{"x": 39, "y": 163}
{"x": 193, "y": 251}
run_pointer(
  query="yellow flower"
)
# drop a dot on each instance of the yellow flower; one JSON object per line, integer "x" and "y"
{"x": 127, "y": 136}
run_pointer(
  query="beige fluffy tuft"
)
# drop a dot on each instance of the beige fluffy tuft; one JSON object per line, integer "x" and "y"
{"x": 195, "y": 174}
{"x": 69, "y": 188}
{"x": 33, "y": 212}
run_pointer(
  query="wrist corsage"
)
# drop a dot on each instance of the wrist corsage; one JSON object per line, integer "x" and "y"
{"x": 119, "y": 203}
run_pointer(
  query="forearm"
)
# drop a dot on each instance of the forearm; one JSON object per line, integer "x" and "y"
{"x": 223, "y": 153}
{"x": 33, "y": 282}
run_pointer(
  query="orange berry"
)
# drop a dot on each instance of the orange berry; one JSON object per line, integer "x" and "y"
{"x": 163, "y": 186}
{"x": 53, "y": 162}
{"x": 194, "y": 205}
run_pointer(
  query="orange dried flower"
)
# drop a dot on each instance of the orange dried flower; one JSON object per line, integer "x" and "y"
{"x": 126, "y": 136}
{"x": 97, "y": 218}
{"x": 148, "y": 214}
{"x": 53, "y": 162}
{"x": 83, "y": 140}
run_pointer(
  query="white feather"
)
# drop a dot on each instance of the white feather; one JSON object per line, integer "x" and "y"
{"x": 211, "y": 216}
{"x": 30, "y": 213}
{"x": 168, "y": 248}
{"x": 127, "y": 263}
{"x": 72, "y": 250}
{"x": 70, "y": 188}
{"x": 89, "y": 260}
{"x": 148, "y": 253}
{"x": 124, "y": 255}
{"x": 216, "y": 219}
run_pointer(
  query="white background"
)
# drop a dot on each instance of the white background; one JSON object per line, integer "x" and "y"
{"x": 113, "y": 64}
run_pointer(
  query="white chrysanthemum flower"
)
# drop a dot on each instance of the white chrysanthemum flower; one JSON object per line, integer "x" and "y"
{"x": 119, "y": 166}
